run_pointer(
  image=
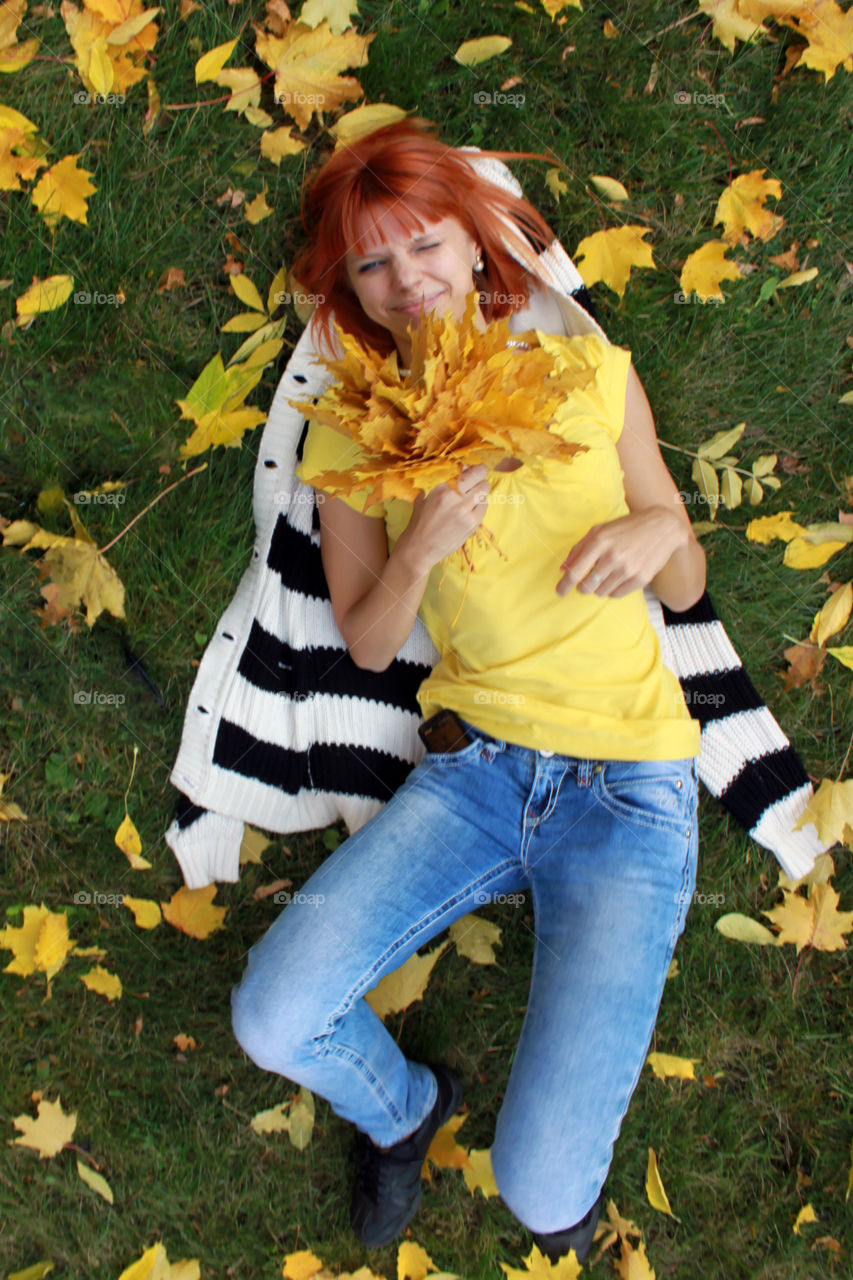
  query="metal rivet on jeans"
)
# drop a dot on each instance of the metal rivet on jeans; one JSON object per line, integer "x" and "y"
{"x": 678, "y": 784}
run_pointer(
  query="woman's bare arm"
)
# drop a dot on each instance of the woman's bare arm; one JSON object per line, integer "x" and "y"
{"x": 655, "y": 544}
{"x": 376, "y": 596}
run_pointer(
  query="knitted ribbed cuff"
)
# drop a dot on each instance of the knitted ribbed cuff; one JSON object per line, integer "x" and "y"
{"x": 207, "y": 849}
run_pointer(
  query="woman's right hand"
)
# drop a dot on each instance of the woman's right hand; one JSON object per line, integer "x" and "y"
{"x": 444, "y": 518}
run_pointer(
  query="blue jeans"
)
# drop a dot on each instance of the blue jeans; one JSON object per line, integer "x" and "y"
{"x": 607, "y": 851}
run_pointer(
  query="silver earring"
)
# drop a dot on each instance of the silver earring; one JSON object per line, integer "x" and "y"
{"x": 478, "y": 265}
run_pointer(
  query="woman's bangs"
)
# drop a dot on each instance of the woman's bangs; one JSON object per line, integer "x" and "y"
{"x": 412, "y": 210}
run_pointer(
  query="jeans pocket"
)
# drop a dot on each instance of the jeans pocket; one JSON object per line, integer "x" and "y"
{"x": 654, "y": 793}
{"x": 448, "y": 759}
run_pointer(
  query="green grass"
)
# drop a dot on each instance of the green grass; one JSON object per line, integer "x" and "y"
{"x": 88, "y": 394}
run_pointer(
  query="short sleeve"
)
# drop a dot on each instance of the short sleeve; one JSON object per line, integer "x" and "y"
{"x": 603, "y": 398}
{"x": 326, "y": 449}
{"x": 611, "y": 382}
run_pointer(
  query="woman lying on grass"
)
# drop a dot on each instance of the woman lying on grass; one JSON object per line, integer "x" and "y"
{"x": 560, "y": 753}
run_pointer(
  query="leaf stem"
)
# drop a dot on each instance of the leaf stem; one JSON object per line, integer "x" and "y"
{"x": 141, "y": 513}
{"x": 211, "y": 102}
{"x": 691, "y": 454}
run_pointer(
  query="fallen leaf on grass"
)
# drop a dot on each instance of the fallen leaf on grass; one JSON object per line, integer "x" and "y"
{"x": 154, "y": 1265}
{"x": 472, "y": 52}
{"x": 95, "y": 1181}
{"x": 744, "y": 929}
{"x": 47, "y": 1134}
{"x": 252, "y": 846}
{"x": 806, "y": 663}
{"x": 814, "y": 921}
{"x": 834, "y": 614}
{"x": 476, "y": 939}
{"x": 146, "y": 913}
{"x": 479, "y": 1175}
{"x": 444, "y": 1151}
{"x": 9, "y": 811}
{"x": 539, "y": 1268}
{"x": 36, "y": 1272}
{"x": 741, "y": 207}
{"x": 40, "y": 943}
{"x": 831, "y": 811}
{"x": 127, "y": 839}
{"x": 667, "y": 1064}
{"x": 397, "y": 990}
{"x": 806, "y": 1214}
{"x": 183, "y": 1043}
{"x": 609, "y": 187}
{"x": 654, "y": 1188}
{"x": 413, "y": 1261}
{"x": 295, "y": 1118}
{"x": 765, "y": 528}
{"x": 192, "y": 911}
{"x": 705, "y": 268}
{"x": 608, "y": 256}
{"x": 103, "y": 982}
{"x": 78, "y": 574}
{"x": 301, "y": 1265}
{"x": 62, "y": 192}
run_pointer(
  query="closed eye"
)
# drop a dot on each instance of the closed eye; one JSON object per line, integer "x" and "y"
{"x": 378, "y": 261}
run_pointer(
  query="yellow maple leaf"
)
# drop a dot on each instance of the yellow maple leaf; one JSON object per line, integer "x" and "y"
{"x": 53, "y": 944}
{"x": 192, "y": 911}
{"x": 14, "y": 56}
{"x": 479, "y": 1174}
{"x": 22, "y": 152}
{"x": 476, "y": 939}
{"x": 338, "y": 13}
{"x": 765, "y": 528}
{"x": 806, "y": 1214}
{"x": 413, "y": 1261}
{"x": 301, "y": 1265}
{"x": 834, "y": 614}
{"x": 62, "y": 192}
{"x": 22, "y": 939}
{"x": 75, "y": 568}
{"x": 9, "y": 811}
{"x": 253, "y": 845}
{"x": 444, "y": 1151}
{"x": 472, "y": 52}
{"x": 705, "y": 268}
{"x": 657, "y": 1197}
{"x": 108, "y": 62}
{"x": 814, "y": 921}
{"x": 211, "y": 63}
{"x": 829, "y": 32}
{"x": 258, "y": 209}
{"x": 278, "y": 143}
{"x": 555, "y": 184}
{"x": 729, "y": 23}
{"x": 245, "y": 89}
{"x": 219, "y": 428}
{"x": 633, "y": 1263}
{"x": 537, "y": 1267}
{"x": 817, "y": 544}
{"x": 49, "y": 1133}
{"x": 741, "y": 207}
{"x": 145, "y": 912}
{"x": 608, "y": 256}
{"x": 103, "y": 982}
{"x": 154, "y": 1265}
{"x": 397, "y": 990}
{"x": 668, "y": 1064}
{"x": 307, "y": 63}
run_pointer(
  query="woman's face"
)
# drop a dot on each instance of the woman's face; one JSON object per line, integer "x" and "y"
{"x": 396, "y": 270}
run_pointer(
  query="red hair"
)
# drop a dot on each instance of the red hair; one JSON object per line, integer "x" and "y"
{"x": 424, "y": 180}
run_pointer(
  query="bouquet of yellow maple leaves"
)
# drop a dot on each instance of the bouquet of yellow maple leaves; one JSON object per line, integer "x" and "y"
{"x": 468, "y": 398}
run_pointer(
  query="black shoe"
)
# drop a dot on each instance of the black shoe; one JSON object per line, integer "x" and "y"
{"x": 557, "y": 1244}
{"x": 387, "y": 1191}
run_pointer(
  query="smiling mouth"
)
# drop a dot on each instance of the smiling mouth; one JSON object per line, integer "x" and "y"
{"x": 413, "y": 308}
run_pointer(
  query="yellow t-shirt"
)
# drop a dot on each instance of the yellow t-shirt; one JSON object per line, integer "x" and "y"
{"x": 576, "y": 674}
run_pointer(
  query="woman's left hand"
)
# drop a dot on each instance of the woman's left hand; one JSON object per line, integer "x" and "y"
{"x": 623, "y": 555}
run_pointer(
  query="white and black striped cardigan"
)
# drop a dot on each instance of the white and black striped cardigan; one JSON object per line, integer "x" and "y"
{"x": 285, "y": 732}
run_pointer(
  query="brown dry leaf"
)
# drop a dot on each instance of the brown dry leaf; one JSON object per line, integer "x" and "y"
{"x": 192, "y": 911}
{"x": 806, "y": 663}
{"x": 183, "y": 1043}
{"x": 49, "y": 1133}
{"x": 788, "y": 260}
{"x": 397, "y": 990}
{"x": 608, "y": 256}
{"x": 172, "y": 278}
{"x": 741, "y": 207}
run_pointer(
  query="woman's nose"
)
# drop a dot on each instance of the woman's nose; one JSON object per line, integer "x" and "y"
{"x": 406, "y": 273}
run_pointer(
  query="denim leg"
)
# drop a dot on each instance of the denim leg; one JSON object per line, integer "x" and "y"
{"x": 611, "y": 855}
{"x": 426, "y": 859}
